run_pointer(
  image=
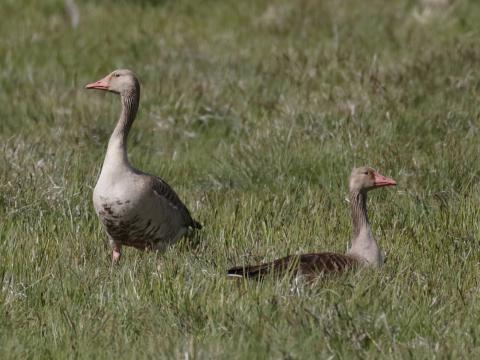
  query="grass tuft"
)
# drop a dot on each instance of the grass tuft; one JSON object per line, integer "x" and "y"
{"x": 255, "y": 112}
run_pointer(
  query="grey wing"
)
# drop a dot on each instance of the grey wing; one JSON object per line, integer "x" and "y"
{"x": 161, "y": 188}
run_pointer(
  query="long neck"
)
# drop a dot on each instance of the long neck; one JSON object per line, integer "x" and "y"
{"x": 117, "y": 145}
{"x": 363, "y": 243}
{"x": 360, "y": 222}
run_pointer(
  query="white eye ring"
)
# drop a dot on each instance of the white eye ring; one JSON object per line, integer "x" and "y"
{"x": 116, "y": 75}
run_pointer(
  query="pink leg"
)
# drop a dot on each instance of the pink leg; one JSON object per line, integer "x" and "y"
{"x": 117, "y": 253}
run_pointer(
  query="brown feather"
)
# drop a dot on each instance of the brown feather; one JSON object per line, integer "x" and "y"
{"x": 306, "y": 264}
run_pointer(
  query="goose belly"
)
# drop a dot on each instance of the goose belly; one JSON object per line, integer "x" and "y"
{"x": 141, "y": 223}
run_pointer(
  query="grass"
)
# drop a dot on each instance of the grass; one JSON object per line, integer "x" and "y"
{"x": 255, "y": 112}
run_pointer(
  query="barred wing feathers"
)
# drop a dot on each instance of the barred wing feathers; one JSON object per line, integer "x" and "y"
{"x": 305, "y": 264}
{"x": 161, "y": 188}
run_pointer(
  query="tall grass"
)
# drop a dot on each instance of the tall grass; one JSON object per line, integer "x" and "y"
{"x": 255, "y": 112}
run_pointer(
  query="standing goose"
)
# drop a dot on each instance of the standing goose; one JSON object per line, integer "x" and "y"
{"x": 364, "y": 249}
{"x": 136, "y": 209}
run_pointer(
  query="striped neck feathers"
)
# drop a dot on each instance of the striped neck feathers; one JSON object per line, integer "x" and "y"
{"x": 364, "y": 245}
{"x": 117, "y": 145}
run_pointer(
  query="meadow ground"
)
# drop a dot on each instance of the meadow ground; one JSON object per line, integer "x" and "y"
{"x": 255, "y": 112}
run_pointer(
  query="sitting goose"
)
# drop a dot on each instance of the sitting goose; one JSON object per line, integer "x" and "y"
{"x": 135, "y": 208}
{"x": 364, "y": 249}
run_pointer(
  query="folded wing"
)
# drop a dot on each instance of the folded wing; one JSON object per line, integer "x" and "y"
{"x": 306, "y": 264}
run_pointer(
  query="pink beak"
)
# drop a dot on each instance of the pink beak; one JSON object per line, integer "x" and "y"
{"x": 380, "y": 180}
{"x": 102, "y": 84}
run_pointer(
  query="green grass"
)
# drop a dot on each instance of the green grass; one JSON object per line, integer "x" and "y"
{"x": 255, "y": 112}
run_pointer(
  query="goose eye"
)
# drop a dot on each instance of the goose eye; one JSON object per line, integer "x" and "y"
{"x": 116, "y": 75}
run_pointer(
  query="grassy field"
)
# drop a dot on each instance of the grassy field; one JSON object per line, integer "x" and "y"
{"x": 255, "y": 112}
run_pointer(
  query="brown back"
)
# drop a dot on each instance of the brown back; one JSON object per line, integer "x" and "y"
{"x": 310, "y": 265}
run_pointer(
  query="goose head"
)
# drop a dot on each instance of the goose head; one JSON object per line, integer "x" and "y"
{"x": 120, "y": 81}
{"x": 365, "y": 179}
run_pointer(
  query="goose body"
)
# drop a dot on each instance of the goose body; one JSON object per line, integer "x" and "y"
{"x": 135, "y": 208}
{"x": 142, "y": 216}
{"x": 307, "y": 265}
{"x": 364, "y": 249}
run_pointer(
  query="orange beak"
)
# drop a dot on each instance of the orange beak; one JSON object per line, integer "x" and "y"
{"x": 102, "y": 84}
{"x": 380, "y": 180}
